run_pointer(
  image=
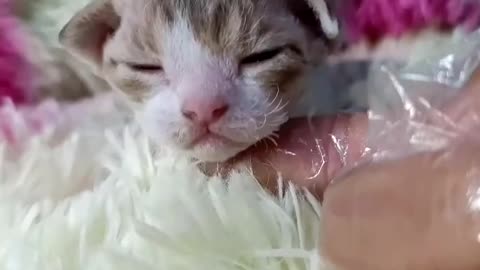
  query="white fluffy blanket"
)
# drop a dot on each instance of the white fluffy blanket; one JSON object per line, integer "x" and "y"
{"x": 105, "y": 199}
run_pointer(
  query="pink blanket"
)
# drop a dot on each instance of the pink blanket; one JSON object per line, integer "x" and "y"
{"x": 15, "y": 72}
{"x": 374, "y": 19}
{"x": 21, "y": 123}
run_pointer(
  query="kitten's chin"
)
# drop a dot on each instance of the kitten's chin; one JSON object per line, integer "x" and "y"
{"x": 212, "y": 147}
{"x": 215, "y": 151}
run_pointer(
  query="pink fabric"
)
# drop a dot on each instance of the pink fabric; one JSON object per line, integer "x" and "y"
{"x": 19, "y": 124}
{"x": 15, "y": 73}
{"x": 374, "y": 19}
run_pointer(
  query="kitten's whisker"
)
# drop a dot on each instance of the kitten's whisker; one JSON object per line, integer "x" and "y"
{"x": 281, "y": 106}
{"x": 275, "y": 135}
{"x": 264, "y": 123}
{"x": 277, "y": 108}
{"x": 274, "y": 98}
{"x": 271, "y": 139}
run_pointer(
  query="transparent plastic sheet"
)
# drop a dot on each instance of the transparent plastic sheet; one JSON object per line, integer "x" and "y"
{"x": 412, "y": 201}
{"x": 410, "y": 104}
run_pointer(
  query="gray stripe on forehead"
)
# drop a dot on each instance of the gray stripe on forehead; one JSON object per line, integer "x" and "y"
{"x": 221, "y": 25}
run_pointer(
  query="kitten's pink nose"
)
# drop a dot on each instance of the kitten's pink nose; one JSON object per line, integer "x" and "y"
{"x": 205, "y": 111}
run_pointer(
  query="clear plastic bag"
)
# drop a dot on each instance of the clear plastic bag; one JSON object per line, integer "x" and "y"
{"x": 412, "y": 203}
{"x": 414, "y": 102}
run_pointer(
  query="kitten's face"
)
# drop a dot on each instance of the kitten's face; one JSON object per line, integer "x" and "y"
{"x": 209, "y": 77}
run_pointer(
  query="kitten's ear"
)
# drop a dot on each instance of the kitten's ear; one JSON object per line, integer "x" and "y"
{"x": 320, "y": 18}
{"x": 87, "y": 32}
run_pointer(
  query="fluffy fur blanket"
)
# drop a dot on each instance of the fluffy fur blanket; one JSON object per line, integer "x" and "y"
{"x": 105, "y": 199}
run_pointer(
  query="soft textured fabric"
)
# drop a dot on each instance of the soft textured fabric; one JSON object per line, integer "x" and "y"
{"x": 108, "y": 200}
{"x": 15, "y": 73}
{"x": 374, "y": 19}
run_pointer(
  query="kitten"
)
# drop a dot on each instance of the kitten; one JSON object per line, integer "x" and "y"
{"x": 207, "y": 77}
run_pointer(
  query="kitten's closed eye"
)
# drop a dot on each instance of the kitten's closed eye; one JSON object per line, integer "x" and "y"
{"x": 266, "y": 55}
{"x": 144, "y": 68}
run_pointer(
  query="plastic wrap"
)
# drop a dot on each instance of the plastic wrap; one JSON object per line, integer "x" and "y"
{"x": 412, "y": 106}
{"x": 412, "y": 201}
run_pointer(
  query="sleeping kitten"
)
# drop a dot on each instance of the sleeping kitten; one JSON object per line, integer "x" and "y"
{"x": 207, "y": 77}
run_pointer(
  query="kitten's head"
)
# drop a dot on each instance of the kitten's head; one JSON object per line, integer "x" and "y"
{"x": 209, "y": 77}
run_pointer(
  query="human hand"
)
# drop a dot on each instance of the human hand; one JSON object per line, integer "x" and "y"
{"x": 308, "y": 152}
{"x": 419, "y": 212}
